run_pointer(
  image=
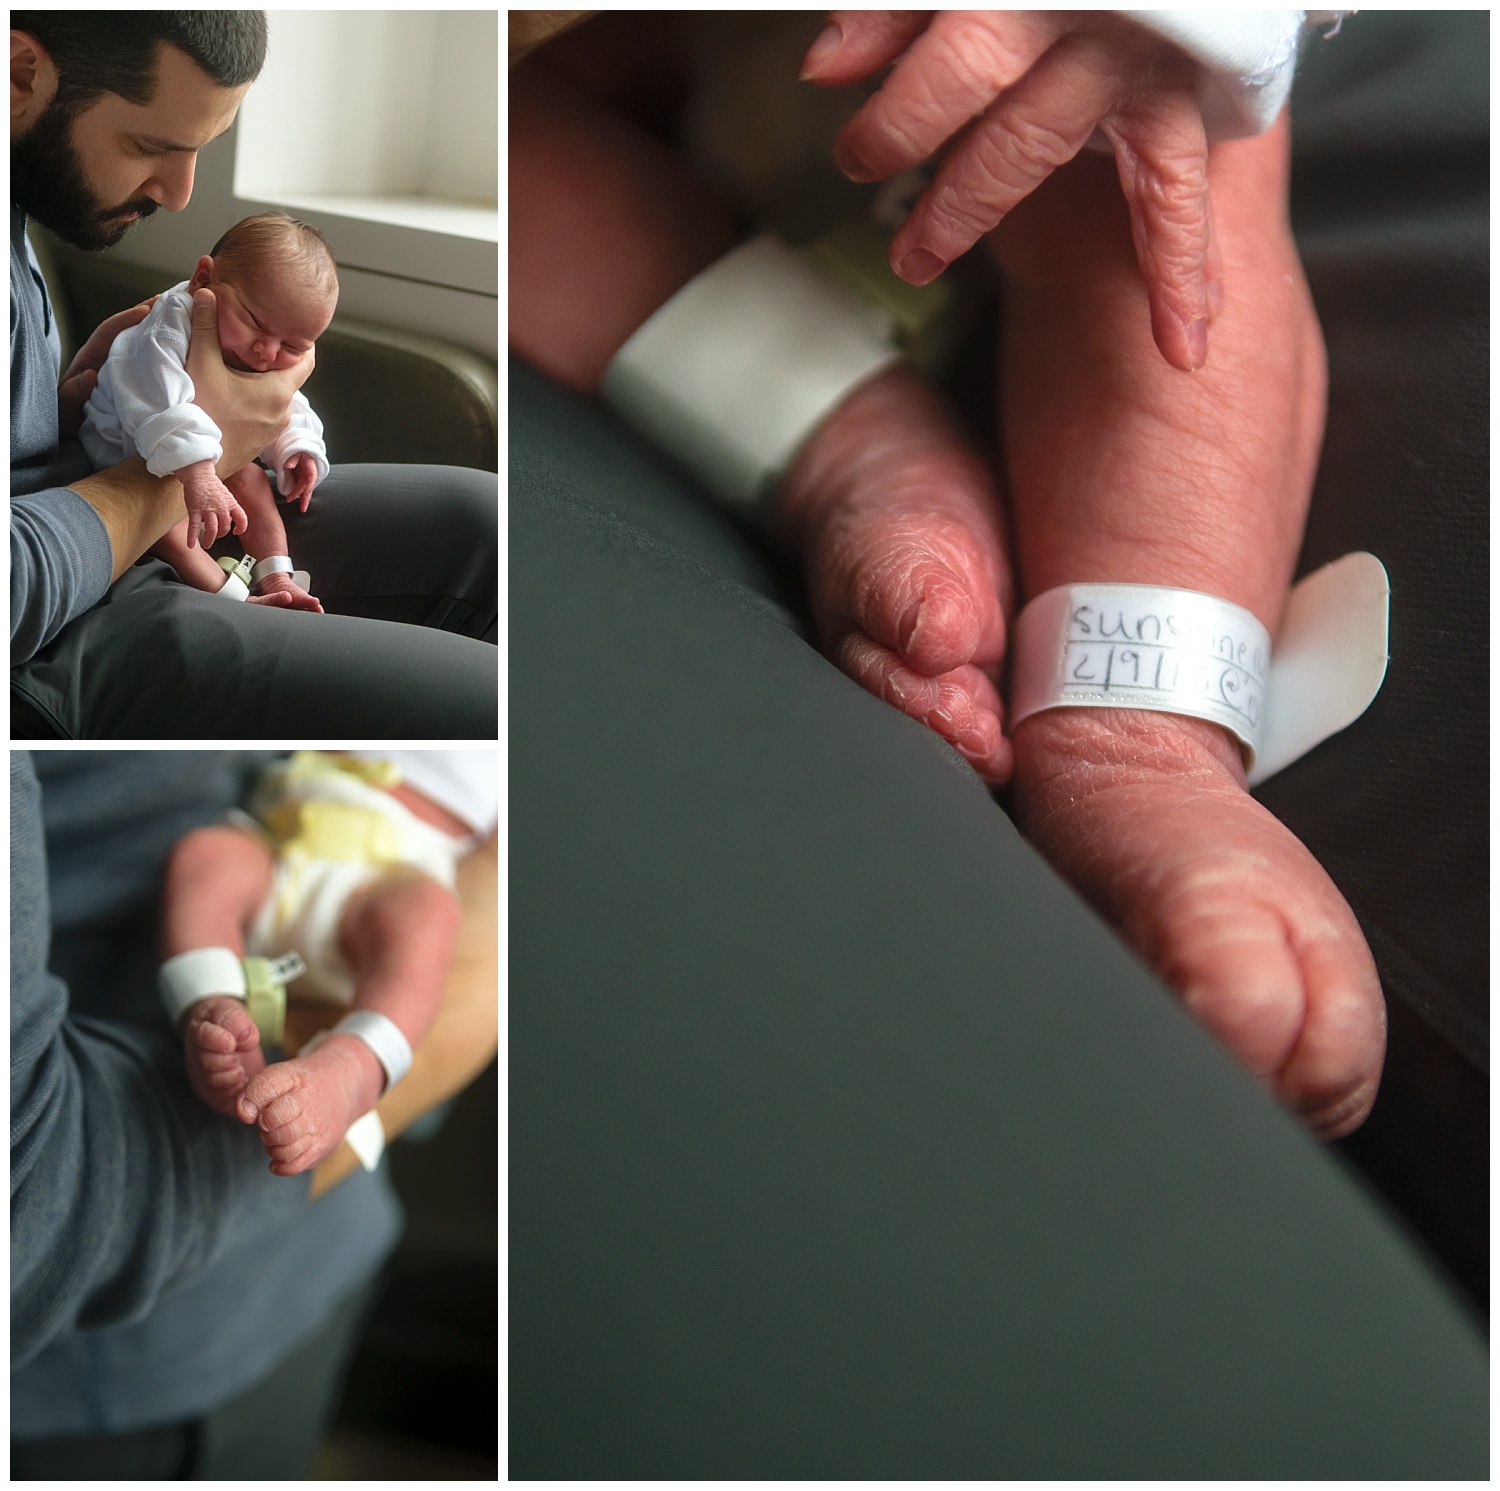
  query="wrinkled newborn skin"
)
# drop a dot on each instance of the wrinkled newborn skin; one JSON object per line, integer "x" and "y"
{"x": 1121, "y": 468}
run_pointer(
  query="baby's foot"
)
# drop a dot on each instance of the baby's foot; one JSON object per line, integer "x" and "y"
{"x": 1147, "y": 814}
{"x": 900, "y": 532}
{"x": 222, "y": 1047}
{"x": 303, "y": 1106}
{"x": 282, "y": 590}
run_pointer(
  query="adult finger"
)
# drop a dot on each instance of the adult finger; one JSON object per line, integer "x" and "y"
{"x": 1161, "y": 152}
{"x": 95, "y": 350}
{"x": 72, "y": 394}
{"x": 855, "y": 43}
{"x": 952, "y": 72}
{"x": 203, "y": 342}
{"x": 1025, "y": 135}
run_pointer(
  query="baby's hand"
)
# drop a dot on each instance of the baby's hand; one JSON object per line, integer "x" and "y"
{"x": 1027, "y": 89}
{"x": 303, "y": 470}
{"x": 210, "y": 504}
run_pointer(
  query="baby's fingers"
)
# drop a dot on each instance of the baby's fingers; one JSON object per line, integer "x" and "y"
{"x": 1162, "y": 155}
{"x": 856, "y": 42}
{"x": 953, "y": 72}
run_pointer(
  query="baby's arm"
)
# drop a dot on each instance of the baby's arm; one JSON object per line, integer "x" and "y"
{"x": 153, "y": 399}
{"x": 298, "y": 456}
{"x": 216, "y": 879}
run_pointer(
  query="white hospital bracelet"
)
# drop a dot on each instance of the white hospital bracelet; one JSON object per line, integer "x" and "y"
{"x": 1142, "y": 647}
{"x": 274, "y": 564}
{"x": 391, "y": 1048}
{"x": 738, "y": 368}
{"x": 199, "y": 974}
{"x": 236, "y": 584}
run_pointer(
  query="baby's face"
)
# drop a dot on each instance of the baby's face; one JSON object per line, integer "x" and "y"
{"x": 268, "y": 322}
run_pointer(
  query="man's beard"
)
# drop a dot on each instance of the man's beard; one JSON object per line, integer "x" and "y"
{"x": 47, "y": 181}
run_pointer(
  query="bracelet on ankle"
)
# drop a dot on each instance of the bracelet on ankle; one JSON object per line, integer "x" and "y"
{"x": 260, "y": 983}
{"x": 1182, "y": 652}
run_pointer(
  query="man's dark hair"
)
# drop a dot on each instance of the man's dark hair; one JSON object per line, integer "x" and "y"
{"x": 114, "y": 51}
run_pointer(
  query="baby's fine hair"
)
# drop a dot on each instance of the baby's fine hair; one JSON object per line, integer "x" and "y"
{"x": 279, "y": 239}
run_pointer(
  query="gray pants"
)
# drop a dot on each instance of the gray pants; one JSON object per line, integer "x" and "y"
{"x": 269, "y": 1432}
{"x": 845, "y": 1141}
{"x": 404, "y": 560}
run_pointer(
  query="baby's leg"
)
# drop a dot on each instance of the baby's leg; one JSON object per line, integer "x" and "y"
{"x": 1123, "y": 469}
{"x": 896, "y": 519}
{"x": 264, "y": 536}
{"x": 195, "y": 566}
{"x": 215, "y": 880}
{"x": 398, "y": 935}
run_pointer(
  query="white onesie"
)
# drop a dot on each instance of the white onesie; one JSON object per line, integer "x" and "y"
{"x": 143, "y": 403}
{"x": 334, "y": 832}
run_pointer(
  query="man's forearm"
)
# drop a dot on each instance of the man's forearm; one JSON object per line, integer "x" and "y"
{"x": 135, "y": 507}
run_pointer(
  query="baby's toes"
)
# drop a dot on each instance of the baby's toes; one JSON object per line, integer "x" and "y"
{"x": 961, "y": 706}
{"x": 1238, "y": 972}
{"x": 923, "y": 589}
{"x": 277, "y": 1084}
{"x": 1333, "y": 1073}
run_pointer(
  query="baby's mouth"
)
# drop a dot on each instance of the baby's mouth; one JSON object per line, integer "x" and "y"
{"x": 234, "y": 360}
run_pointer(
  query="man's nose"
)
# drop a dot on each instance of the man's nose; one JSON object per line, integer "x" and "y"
{"x": 172, "y": 184}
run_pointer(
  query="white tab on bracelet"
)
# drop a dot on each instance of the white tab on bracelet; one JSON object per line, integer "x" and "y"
{"x": 272, "y": 564}
{"x": 1183, "y": 652}
{"x": 366, "y": 1137}
{"x": 380, "y": 1034}
{"x": 199, "y": 974}
{"x": 733, "y": 373}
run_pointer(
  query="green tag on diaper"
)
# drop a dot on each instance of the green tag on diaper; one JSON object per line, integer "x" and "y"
{"x": 265, "y": 993}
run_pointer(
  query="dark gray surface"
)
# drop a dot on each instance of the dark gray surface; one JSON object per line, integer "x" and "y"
{"x": 403, "y": 557}
{"x": 844, "y": 1140}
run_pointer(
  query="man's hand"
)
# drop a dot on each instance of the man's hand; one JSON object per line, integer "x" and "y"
{"x": 210, "y": 504}
{"x": 82, "y": 376}
{"x": 1019, "y": 93}
{"x": 250, "y": 409}
{"x": 303, "y": 470}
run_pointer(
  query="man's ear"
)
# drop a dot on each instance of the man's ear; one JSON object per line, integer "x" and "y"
{"x": 202, "y": 274}
{"x": 33, "y": 81}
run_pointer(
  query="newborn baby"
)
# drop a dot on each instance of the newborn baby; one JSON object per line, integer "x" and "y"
{"x": 349, "y": 862}
{"x": 276, "y": 287}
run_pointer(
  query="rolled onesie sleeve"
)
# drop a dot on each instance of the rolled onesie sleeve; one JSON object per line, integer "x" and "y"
{"x": 123, "y": 1184}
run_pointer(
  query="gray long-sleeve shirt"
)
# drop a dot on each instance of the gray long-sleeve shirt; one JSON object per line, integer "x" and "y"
{"x": 60, "y": 556}
{"x": 157, "y": 1267}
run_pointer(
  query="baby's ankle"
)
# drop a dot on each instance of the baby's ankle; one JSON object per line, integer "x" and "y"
{"x": 1064, "y": 753}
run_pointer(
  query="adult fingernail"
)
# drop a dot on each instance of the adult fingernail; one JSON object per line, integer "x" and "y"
{"x": 852, "y": 163}
{"x": 249, "y": 1109}
{"x": 920, "y": 267}
{"x": 1197, "y": 340}
{"x": 830, "y": 39}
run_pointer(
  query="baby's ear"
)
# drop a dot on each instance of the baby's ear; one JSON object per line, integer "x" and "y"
{"x": 202, "y": 274}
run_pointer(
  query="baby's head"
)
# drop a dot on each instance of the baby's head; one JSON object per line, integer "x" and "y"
{"x": 276, "y": 285}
